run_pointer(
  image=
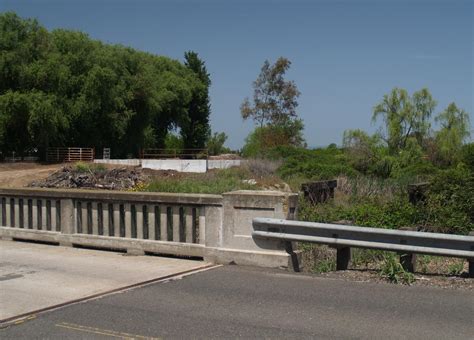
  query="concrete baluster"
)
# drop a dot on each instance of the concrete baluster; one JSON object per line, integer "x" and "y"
{"x": 34, "y": 214}
{"x": 189, "y": 224}
{"x": 17, "y": 212}
{"x": 176, "y": 223}
{"x": 151, "y": 222}
{"x": 43, "y": 215}
{"x": 26, "y": 217}
{"x": 128, "y": 220}
{"x": 105, "y": 219}
{"x": 116, "y": 220}
{"x": 95, "y": 218}
{"x": 84, "y": 218}
{"x": 139, "y": 220}
{"x": 8, "y": 211}
{"x": 164, "y": 223}
{"x": 54, "y": 224}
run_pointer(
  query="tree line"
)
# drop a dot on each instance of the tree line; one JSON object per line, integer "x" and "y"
{"x": 62, "y": 88}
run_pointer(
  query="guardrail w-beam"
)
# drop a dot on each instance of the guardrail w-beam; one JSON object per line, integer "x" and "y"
{"x": 345, "y": 237}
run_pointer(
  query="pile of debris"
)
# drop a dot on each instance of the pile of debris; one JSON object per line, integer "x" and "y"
{"x": 113, "y": 179}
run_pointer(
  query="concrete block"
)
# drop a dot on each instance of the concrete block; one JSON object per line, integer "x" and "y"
{"x": 128, "y": 162}
{"x": 180, "y": 165}
{"x": 223, "y": 163}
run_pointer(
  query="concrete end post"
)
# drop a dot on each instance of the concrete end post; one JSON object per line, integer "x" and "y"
{"x": 236, "y": 244}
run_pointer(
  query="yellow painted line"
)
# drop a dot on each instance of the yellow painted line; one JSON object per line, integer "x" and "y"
{"x": 100, "y": 331}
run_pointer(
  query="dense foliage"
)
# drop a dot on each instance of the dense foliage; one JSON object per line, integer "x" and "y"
{"x": 374, "y": 171}
{"x": 61, "y": 88}
{"x": 195, "y": 129}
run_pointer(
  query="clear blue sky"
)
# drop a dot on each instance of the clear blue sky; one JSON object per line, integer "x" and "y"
{"x": 345, "y": 54}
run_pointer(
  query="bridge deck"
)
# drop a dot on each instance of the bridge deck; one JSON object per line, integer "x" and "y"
{"x": 37, "y": 276}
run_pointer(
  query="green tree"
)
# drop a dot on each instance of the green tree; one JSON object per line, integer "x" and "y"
{"x": 61, "y": 88}
{"x": 274, "y": 99}
{"x": 215, "y": 144}
{"x": 195, "y": 129}
{"x": 404, "y": 116}
{"x": 273, "y": 108}
{"x": 455, "y": 130}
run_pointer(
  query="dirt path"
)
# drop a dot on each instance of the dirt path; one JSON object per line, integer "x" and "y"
{"x": 18, "y": 175}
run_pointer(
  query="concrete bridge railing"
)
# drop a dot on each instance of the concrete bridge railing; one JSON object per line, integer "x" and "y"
{"x": 215, "y": 227}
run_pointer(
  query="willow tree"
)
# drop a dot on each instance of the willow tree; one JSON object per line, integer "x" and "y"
{"x": 404, "y": 117}
{"x": 454, "y": 132}
{"x": 62, "y": 88}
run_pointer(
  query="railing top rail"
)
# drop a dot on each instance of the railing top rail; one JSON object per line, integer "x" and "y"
{"x": 119, "y": 196}
{"x": 360, "y": 230}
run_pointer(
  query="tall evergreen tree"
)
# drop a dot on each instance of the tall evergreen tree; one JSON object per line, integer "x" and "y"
{"x": 195, "y": 129}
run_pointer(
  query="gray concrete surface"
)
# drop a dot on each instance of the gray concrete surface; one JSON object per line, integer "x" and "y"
{"x": 180, "y": 165}
{"x": 36, "y": 276}
{"x": 232, "y": 301}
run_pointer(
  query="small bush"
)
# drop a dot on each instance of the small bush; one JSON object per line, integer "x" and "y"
{"x": 324, "y": 266}
{"x": 82, "y": 167}
{"x": 393, "y": 271}
{"x": 262, "y": 167}
{"x": 456, "y": 268}
{"x": 212, "y": 183}
{"x": 87, "y": 167}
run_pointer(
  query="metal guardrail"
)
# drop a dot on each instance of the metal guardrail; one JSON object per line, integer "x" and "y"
{"x": 345, "y": 237}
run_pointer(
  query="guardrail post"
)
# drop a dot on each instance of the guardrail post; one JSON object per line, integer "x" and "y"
{"x": 408, "y": 260}
{"x": 295, "y": 265}
{"x": 343, "y": 258}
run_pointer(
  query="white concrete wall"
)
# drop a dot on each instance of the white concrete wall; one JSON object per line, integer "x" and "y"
{"x": 223, "y": 163}
{"x": 131, "y": 162}
{"x": 181, "y": 165}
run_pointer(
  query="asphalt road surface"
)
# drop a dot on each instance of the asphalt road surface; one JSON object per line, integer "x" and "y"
{"x": 230, "y": 302}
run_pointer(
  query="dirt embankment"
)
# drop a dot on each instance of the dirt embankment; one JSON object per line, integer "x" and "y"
{"x": 18, "y": 175}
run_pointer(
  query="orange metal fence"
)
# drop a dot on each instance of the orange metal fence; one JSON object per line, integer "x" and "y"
{"x": 64, "y": 154}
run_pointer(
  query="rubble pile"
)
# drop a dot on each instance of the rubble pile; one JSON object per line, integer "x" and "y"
{"x": 113, "y": 179}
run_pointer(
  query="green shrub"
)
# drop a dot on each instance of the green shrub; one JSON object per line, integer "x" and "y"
{"x": 316, "y": 164}
{"x": 374, "y": 213}
{"x": 468, "y": 155}
{"x": 450, "y": 203}
{"x": 324, "y": 266}
{"x": 212, "y": 183}
{"x": 456, "y": 268}
{"x": 393, "y": 271}
{"x": 82, "y": 167}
